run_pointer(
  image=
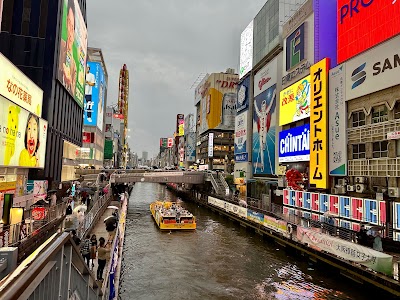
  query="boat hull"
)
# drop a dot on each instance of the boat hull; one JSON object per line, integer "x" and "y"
{"x": 171, "y": 226}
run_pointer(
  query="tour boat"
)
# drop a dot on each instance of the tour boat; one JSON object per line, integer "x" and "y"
{"x": 172, "y": 216}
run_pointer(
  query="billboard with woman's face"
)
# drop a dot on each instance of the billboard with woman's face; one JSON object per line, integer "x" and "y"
{"x": 73, "y": 50}
{"x": 23, "y": 137}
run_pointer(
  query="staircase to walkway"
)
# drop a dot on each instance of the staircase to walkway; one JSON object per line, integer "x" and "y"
{"x": 219, "y": 184}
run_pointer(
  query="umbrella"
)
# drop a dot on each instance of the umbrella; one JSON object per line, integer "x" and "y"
{"x": 110, "y": 219}
{"x": 330, "y": 214}
{"x": 84, "y": 189}
{"x": 41, "y": 202}
{"x": 52, "y": 191}
{"x": 112, "y": 207}
{"x": 81, "y": 208}
{"x": 377, "y": 228}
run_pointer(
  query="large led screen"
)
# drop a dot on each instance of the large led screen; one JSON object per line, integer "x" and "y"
{"x": 95, "y": 89}
{"x": 73, "y": 50}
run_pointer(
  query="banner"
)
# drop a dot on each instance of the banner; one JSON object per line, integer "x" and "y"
{"x": 241, "y": 133}
{"x": 23, "y": 137}
{"x": 294, "y": 102}
{"x": 255, "y": 216}
{"x": 337, "y": 122}
{"x": 17, "y": 87}
{"x": 95, "y": 89}
{"x": 319, "y": 124}
{"x": 294, "y": 144}
{"x": 275, "y": 224}
{"x": 236, "y": 209}
{"x": 368, "y": 257}
{"x": 264, "y": 130}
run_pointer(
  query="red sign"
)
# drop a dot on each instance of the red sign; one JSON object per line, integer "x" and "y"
{"x": 170, "y": 142}
{"x": 39, "y": 213}
{"x": 119, "y": 116}
{"x": 362, "y": 24}
{"x": 88, "y": 137}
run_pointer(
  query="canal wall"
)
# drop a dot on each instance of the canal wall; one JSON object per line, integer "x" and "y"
{"x": 360, "y": 264}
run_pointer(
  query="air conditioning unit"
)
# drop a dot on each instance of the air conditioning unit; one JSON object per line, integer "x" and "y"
{"x": 342, "y": 182}
{"x": 341, "y": 190}
{"x": 334, "y": 191}
{"x": 350, "y": 188}
{"x": 360, "y": 180}
{"x": 394, "y": 192}
{"x": 360, "y": 188}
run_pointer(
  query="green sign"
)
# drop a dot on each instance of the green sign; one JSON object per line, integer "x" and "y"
{"x": 108, "y": 149}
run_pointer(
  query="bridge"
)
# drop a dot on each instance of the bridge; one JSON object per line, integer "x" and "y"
{"x": 159, "y": 177}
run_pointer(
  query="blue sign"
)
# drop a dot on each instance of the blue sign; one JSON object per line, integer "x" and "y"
{"x": 344, "y": 206}
{"x": 371, "y": 211}
{"x": 242, "y": 157}
{"x": 95, "y": 89}
{"x": 294, "y": 144}
{"x": 243, "y": 95}
{"x": 295, "y": 48}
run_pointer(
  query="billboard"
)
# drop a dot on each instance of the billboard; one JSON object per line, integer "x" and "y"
{"x": 294, "y": 144}
{"x": 264, "y": 127}
{"x": 17, "y": 87}
{"x": 266, "y": 77}
{"x": 241, "y": 133}
{"x": 180, "y": 125}
{"x": 364, "y": 24}
{"x": 190, "y": 147}
{"x": 163, "y": 144}
{"x": 337, "y": 122}
{"x": 189, "y": 124}
{"x": 95, "y": 89}
{"x": 218, "y": 106}
{"x": 294, "y": 102}
{"x": 210, "y": 144}
{"x": 243, "y": 95}
{"x": 73, "y": 50}
{"x": 374, "y": 70}
{"x": 246, "y": 50}
{"x": 170, "y": 142}
{"x": 22, "y": 138}
{"x": 319, "y": 124}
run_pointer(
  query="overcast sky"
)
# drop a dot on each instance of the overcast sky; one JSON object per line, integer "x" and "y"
{"x": 166, "y": 45}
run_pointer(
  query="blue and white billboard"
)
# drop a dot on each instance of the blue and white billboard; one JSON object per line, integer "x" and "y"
{"x": 95, "y": 89}
{"x": 294, "y": 144}
{"x": 241, "y": 133}
{"x": 190, "y": 147}
{"x": 243, "y": 95}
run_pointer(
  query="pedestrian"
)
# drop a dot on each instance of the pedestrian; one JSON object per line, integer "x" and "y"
{"x": 362, "y": 236}
{"x": 75, "y": 238}
{"x": 68, "y": 210}
{"x": 85, "y": 249}
{"x": 93, "y": 249}
{"x": 53, "y": 198}
{"x": 377, "y": 242}
{"x": 103, "y": 253}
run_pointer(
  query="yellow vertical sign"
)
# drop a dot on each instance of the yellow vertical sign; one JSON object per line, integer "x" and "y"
{"x": 319, "y": 124}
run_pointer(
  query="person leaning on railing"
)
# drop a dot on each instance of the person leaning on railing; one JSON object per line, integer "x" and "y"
{"x": 103, "y": 252}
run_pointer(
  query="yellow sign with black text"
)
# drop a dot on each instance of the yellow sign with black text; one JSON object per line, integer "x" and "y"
{"x": 319, "y": 124}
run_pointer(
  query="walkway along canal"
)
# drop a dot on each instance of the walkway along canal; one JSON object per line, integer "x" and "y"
{"x": 220, "y": 260}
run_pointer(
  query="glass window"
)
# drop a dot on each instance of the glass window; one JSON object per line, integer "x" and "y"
{"x": 358, "y": 151}
{"x": 380, "y": 149}
{"x": 379, "y": 114}
{"x": 358, "y": 118}
{"x": 397, "y": 110}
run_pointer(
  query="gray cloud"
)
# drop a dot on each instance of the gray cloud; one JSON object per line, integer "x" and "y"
{"x": 166, "y": 44}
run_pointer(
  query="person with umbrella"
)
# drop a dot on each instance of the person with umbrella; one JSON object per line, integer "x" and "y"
{"x": 111, "y": 225}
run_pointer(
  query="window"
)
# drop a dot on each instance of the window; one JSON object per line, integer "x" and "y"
{"x": 358, "y": 151}
{"x": 379, "y": 114}
{"x": 358, "y": 118}
{"x": 380, "y": 149}
{"x": 397, "y": 110}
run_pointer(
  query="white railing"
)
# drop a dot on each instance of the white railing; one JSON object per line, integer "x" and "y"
{"x": 372, "y": 132}
{"x": 377, "y": 167}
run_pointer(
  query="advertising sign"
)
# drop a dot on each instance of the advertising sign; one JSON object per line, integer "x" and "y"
{"x": 163, "y": 144}
{"x": 95, "y": 89}
{"x": 39, "y": 213}
{"x": 266, "y": 77}
{"x": 294, "y": 144}
{"x": 319, "y": 124}
{"x": 243, "y": 95}
{"x": 337, "y": 122}
{"x": 87, "y": 137}
{"x": 246, "y": 50}
{"x": 294, "y": 103}
{"x": 17, "y": 87}
{"x": 374, "y": 70}
{"x": 170, "y": 142}
{"x": 364, "y": 24}
{"x": 190, "y": 147}
{"x": 241, "y": 133}
{"x": 218, "y": 106}
{"x": 394, "y": 135}
{"x": 73, "y": 50}
{"x": 368, "y": 257}
{"x": 180, "y": 125}
{"x": 255, "y": 216}
{"x": 22, "y": 138}
{"x": 210, "y": 144}
{"x": 264, "y": 130}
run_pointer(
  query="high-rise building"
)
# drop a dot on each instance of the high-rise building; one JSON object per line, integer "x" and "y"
{"x": 145, "y": 156}
{"x": 35, "y": 38}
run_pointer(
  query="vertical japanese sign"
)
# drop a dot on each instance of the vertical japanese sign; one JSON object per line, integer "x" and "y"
{"x": 337, "y": 122}
{"x": 319, "y": 124}
{"x": 180, "y": 125}
{"x": 210, "y": 144}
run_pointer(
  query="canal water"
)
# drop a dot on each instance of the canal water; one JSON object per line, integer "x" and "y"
{"x": 220, "y": 260}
